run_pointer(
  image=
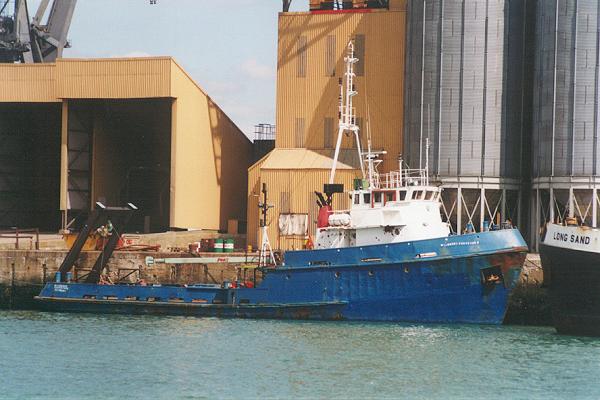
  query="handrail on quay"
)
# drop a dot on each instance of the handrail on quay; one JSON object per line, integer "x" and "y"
{"x": 17, "y": 233}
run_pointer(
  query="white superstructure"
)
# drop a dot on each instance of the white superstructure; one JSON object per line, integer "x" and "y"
{"x": 395, "y": 207}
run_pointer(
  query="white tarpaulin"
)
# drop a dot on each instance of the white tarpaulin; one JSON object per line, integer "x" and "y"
{"x": 293, "y": 224}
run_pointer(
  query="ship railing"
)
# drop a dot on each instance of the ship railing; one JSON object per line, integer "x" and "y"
{"x": 397, "y": 179}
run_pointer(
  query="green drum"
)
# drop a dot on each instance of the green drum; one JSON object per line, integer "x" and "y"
{"x": 228, "y": 246}
{"x": 218, "y": 245}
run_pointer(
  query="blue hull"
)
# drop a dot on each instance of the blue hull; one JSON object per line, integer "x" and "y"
{"x": 465, "y": 279}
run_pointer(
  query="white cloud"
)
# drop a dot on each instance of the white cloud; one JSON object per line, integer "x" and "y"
{"x": 256, "y": 70}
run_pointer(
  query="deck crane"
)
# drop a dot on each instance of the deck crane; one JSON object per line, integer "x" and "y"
{"x": 32, "y": 41}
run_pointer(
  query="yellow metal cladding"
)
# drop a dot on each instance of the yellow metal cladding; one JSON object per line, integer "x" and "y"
{"x": 209, "y": 158}
{"x": 310, "y": 159}
{"x": 296, "y": 173}
{"x": 299, "y": 187}
{"x": 22, "y": 83}
{"x": 310, "y": 61}
{"x": 113, "y": 78}
{"x": 209, "y": 154}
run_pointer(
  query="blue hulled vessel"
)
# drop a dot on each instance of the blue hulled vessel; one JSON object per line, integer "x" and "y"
{"x": 389, "y": 257}
{"x": 465, "y": 278}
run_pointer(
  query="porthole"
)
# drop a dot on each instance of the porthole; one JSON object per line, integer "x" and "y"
{"x": 288, "y": 276}
{"x": 406, "y": 270}
{"x": 337, "y": 275}
{"x": 371, "y": 273}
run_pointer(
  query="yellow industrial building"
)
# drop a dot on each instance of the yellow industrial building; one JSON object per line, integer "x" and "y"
{"x": 311, "y": 50}
{"x": 134, "y": 130}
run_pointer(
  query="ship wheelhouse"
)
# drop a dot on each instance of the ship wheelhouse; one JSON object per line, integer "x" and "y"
{"x": 395, "y": 207}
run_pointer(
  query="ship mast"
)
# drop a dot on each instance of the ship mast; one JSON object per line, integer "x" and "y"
{"x": 427, "y": 161}
{"x": 266, "y": 252}
{"x": 347, "y": 113}
{"x": 371, "y": 158}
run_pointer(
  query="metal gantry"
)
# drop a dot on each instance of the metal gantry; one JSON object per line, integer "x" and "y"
{"x": 22, "y": 40}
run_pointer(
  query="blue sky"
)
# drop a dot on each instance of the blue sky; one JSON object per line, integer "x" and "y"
{"x": 228, "y": 46}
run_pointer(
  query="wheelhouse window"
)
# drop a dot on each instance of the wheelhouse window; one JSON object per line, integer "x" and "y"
{"x": 357, "y": 199}
{"x": 432, "y": 195}
{"x": 367, "y": 198}
{"x": 417, "y": 194}
{"x": 390, "y": 196}
{"x": 402, "y": 195}
{"x": 377, "y": 197}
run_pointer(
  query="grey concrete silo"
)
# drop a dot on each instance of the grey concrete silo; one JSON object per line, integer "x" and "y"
{"x": 566, "y": 115}
{"x": 466, "y": 90}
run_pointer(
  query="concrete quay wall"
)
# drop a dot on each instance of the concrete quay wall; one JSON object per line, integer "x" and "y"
{"x": 529, "y": 303}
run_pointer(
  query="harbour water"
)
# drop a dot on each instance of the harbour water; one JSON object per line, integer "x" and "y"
{"x": 83, "y": 356}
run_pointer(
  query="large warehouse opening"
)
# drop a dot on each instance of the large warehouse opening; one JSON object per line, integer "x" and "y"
{"x": 120, "y": 152}
{"x": 30, "y": 165}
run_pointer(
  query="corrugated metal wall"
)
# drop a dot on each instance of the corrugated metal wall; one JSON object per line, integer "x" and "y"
{"x": 209, "y": 160}
{"x": 311, "y": 48}
{"x": 22, "y": 83}
{"x": 459, "y": 57}
{"x": 566, "y": 109}
{"x": 298, "y": 187}
{"x": 209, "y": 154}
{"x": 114, "y": 78}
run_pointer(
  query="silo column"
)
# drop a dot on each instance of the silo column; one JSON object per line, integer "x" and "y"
{"x": 481, "y": 209}
{"x": 503, "y": 208}
{"x": 571, "y": 203}
{"x": 459, "y": 211}
{"x": 536, "y": 228}
{"x": 551, "y": 211}
{"x": 519, "y": 203}
{"x": 594, "y": 207}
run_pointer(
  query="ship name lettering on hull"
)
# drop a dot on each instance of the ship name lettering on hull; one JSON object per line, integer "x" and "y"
{"x": 580, "y": 239}
{"x": 564, "y": 237}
